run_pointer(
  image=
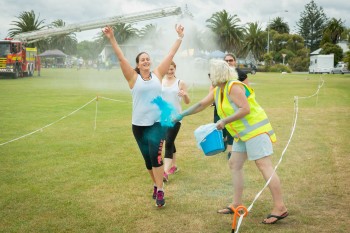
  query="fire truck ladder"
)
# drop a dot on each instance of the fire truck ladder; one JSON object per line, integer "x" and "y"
{"x": 33, "y": 36}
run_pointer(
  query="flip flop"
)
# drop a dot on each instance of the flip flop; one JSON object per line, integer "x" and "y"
{"x": 226, "y": 210}
{"x": 282, "y": 216}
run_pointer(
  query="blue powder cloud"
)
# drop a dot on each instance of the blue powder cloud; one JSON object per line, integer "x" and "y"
{"x": 167, "y": 110}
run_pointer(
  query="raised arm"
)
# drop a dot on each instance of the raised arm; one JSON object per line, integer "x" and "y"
{"x": 128, "y": 71}
{"x": 163, "y": 67}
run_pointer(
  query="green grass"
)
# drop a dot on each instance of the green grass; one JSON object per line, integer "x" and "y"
{"x": 70, "y": 177}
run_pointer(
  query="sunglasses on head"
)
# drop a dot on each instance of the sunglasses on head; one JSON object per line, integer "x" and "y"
{"x": 229, "y": 60}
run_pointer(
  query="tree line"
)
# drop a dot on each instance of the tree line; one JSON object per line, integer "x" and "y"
{"x": 314, "y": 30}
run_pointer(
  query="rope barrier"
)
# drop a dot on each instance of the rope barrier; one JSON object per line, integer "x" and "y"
{"x": 48, "y": 125}
{"x": 295, "y": 118}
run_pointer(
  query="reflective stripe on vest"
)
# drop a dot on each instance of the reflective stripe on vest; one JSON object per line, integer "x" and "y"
{"x": 249, "y": 126}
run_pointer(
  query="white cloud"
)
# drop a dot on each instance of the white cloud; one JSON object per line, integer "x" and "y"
{"x": 78, "y": 11}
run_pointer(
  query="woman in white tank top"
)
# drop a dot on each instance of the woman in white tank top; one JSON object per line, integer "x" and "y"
{"x": 174, "y": 91}
{"x": 145, "y": 85}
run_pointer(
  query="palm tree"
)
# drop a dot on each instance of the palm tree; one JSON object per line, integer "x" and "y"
{"x": 229, "y": 34}
{"x": 254, "y": 40}
{"x": 65, "y": 42}
{"x": 149, "y": 31}
{"x": 279, "y": 25}
{"x": 27, "y": 21}
{"x": 334, "y": 28}
{"x": 122, "y": 32}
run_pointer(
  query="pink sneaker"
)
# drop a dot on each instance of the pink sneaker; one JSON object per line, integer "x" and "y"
{"x": 173, "y": 170}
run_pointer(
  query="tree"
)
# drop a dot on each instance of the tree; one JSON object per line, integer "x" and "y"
{"x": 122, "y": 32}
{"x": 27, "y": 22}
{"x": 254, "y": 40}
{"x": 311, "y": 25}
{"x": 333, "y": 31}
{"x": 279, "y": 25}
{"x": 89, "y": 50}
{"x": 229, "y": 35}
{"x": 65, "y": 42}
{"x": 149, "y": 31}
{"x": 345, "y": 35}
{"x": 329, "y": 48}
{"x": 347, "y": 58}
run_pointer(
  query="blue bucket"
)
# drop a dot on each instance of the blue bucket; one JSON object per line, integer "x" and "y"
{"x": 213, "y": 143}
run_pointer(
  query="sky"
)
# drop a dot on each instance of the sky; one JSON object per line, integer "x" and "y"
{"x": 80, "y": 11}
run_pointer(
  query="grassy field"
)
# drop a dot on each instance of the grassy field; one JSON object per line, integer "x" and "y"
{"x": 84, "y": 173}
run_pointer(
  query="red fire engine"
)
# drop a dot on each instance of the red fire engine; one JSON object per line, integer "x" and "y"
{"x": 16, "y": 59}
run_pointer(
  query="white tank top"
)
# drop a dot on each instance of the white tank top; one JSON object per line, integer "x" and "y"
{"x": 170, "y": 95}
{"x": 145, "y": 113}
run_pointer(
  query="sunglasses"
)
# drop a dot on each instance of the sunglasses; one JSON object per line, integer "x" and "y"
{"x": 229, "y": 60}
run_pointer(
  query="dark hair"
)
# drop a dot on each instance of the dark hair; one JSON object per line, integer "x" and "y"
{"x": 231, "y": 55}
{"x": 137, "y": 61}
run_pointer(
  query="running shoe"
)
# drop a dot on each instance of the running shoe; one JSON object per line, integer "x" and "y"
{"x": 160, "y": 201}
{"x": 165, "y": 177}
{"x": 173, "y": 170}
{"x": 154, "y": 192}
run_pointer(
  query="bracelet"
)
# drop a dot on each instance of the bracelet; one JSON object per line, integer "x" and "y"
{"x": 179, "y": 38}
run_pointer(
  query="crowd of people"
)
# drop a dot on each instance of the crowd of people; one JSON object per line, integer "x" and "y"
{"x": 248, "y": 132}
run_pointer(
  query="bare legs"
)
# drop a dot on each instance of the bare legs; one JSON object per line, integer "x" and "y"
{"x": 157, "y": 176}
{"x": 266, "y": 168}
{"x": 236, "y": 163}
{"x": 264, "y": 165}
{"x": 169, "y": 163}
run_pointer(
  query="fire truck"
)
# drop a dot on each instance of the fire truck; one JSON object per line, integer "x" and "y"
{"x": 18, "y": 60}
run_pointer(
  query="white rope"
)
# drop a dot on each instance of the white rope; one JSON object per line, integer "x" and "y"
{"x": 41, "y": 129}
{"x": 115, "y": 100}
{"x": 295, "y": 118}
{"x": 48, "y": 124}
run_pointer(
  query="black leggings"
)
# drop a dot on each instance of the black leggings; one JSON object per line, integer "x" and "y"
{"x": 171, "y": 134}
{"x": 150, "y": 141}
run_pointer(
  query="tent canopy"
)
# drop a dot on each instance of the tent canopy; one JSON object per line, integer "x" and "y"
{"x": 217, "y": 54}
{"x": 53, "y": 53}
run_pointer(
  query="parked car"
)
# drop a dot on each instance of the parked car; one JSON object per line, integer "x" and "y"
{"x": 341, "y": 68}
{"x": 246, "y": 66}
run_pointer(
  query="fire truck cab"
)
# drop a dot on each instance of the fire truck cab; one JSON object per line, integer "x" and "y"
{"x": 15, "y": 59}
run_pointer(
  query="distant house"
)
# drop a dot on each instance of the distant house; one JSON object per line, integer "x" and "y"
{"x": 341, "y": 44}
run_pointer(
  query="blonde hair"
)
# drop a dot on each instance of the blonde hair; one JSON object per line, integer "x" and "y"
{"x": 221, "y": 72}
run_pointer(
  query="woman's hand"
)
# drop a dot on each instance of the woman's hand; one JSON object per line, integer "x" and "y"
{"x": 108, "y": 31}
{"x": 177, "y": 118}
{"x": 180, "y": 30}
{"x": 182, "y": 93}
{"x": 220, "y": 124}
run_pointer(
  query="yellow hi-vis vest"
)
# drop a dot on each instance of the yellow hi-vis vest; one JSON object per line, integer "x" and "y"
{"x": 253, "y": 124}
